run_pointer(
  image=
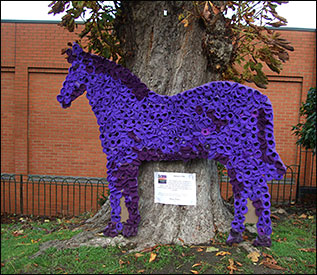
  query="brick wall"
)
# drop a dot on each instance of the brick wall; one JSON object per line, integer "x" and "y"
{"x": 39, "y": 137}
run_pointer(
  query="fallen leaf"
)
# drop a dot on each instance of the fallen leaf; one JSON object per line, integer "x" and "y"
{"x": 46, "y": 220}
{"x": 199, "y": 249}
{"x": 254, "y": 256}
{"x": 121, "y": 262}
{"x": 138, "y": 255}
{"x": 17, "y": 233}
{"x": 181, "y": 240}
{"x": 2, "y": 264}
{"x": 308, "y": 249}
{"x": 303, "y": 216}
{"x": 141, "y": 270}
{"x": 215, "y": 10}
{"x": 206, "y": 12}
{"x": 185, "y": 22}
{"x": 103, "y": 265}
{"x": 239, "y": 264}
{"x": 231, "y": 266}
{"x": 275, "y": 217}
{"x": 148, "y": 249}
{"x": 152, "y": 257}
{"x": 223, "y": 253}
{"x": 35, "y": 264}
{"x": 212, "y": 249}
{"x": 311, "y": 217}
{"x": 268, "y": 263}
{"x": 198, "y": 264}
{"x": 194, "y": 271}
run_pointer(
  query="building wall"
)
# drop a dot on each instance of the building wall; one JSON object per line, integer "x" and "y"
{"x": 39, "y": 137}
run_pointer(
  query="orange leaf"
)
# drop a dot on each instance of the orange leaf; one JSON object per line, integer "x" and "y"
{"x": 152, "y": 257}
{"x": 272, "y": 266}
{"x": 138, "y": 255}
{"x": 231, "y": 266}
{"x": 308, "y": 249}
{"x": 254, "y": 256}
{"x": 223, "y": 253}
{"x": 194, "y": 271}
{"x": 185, "y": 22}
{"x": 198, "y": 264}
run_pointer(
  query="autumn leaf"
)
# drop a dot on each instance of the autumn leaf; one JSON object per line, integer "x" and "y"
{"x": 206, "y": 12}
{"x": 212, "y": 249}
{"x": 17, "y": 233}
{"x": 152, "y": 257}
{"x": 223, "y": 253}
{"x": 271, "y": 263}
{"x": 198, "y": 264}
{"x": 254, "y": 256}
{"x": 121, "y": 262}
{"x": 141, "y": 270}
{"x": 138, "y": 255}
{"x": 303, "y": 216}
{"x": 199, "y": 249}
{"x": 148, "y": 249}
{"x": 35, "y": 241}
{"x": 231, "y": 266}
{"x": 215, "y": 10}
{"x": 308, "y": 249}
{"x": 185, "y": 22}
{"x": 194, "y": 271}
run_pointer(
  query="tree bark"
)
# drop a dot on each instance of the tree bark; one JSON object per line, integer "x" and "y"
{"x": 169, "y": 59}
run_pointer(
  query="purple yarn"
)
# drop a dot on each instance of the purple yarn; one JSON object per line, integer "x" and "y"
{"x": 220, "y": 120}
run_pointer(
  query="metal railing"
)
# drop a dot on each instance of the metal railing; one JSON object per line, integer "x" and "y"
{"x": 282, "y": 191}
{"x": 51, "y": 195}
{"x": 307, "y": 170}
{"x": 70, "y": 196}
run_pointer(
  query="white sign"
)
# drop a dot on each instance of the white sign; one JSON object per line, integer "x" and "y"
{"x": 175, "y": 188}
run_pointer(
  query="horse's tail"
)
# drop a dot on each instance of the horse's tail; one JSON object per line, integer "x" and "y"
{"x": 275, "y": 166}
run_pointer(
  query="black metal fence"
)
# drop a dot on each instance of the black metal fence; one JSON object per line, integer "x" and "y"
{"x": 51, "y": 195}
{"x": 307, "y": 171}
{"x": 282, "y": 191}
{"x": 71, "y": 196}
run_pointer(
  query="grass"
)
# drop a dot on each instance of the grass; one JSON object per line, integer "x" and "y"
{"x": 292, "y": 252}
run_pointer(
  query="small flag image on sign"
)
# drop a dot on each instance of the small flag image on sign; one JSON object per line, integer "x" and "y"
{"x": 162, "y": 179}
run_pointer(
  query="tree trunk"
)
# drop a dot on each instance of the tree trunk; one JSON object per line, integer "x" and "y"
{"x": 169, "y": 59}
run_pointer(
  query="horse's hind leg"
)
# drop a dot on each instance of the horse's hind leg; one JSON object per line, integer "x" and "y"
{"x": 262, "y": 209}
{"x": 237, "y": 226}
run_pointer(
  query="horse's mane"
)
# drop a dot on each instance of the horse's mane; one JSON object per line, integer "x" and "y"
{"x": 106, "y": 66}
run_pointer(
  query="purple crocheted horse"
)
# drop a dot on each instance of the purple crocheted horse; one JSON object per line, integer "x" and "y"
{"x": 221, "y": 120}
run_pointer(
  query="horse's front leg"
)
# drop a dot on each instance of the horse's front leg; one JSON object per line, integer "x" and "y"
{"x": 123, "y": 182}
{"x": 114, "y": 226}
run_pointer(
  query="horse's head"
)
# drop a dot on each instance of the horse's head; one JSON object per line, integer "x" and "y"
{"x": 76, "y": 79}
